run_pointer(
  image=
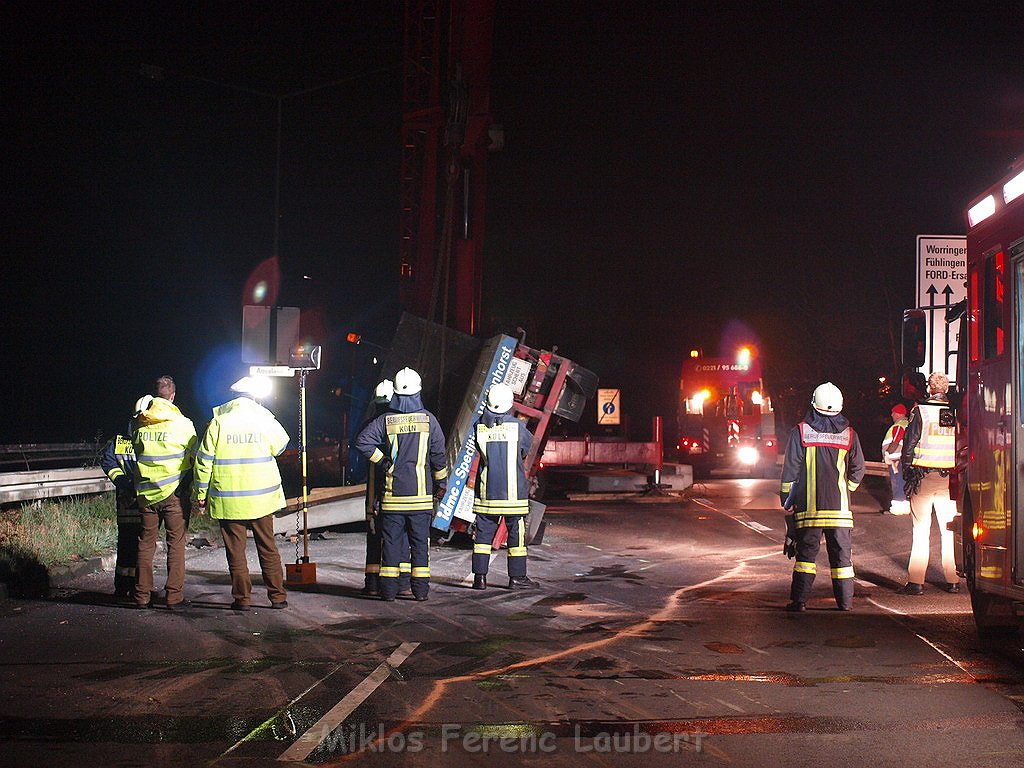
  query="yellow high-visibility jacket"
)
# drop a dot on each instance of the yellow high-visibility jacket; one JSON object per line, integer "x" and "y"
{"x": 164, "y": 442}
{"x": 236, "y": 470}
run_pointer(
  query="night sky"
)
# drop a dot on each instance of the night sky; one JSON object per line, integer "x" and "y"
{"x": 675, "y": 175}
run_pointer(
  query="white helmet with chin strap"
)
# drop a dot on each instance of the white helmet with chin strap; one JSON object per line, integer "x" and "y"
{"x": 827, "y": 399}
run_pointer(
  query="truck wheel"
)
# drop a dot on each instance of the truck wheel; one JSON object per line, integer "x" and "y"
{"x": 993, "y": 617}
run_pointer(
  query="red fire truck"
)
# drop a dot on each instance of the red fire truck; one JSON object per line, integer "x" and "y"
{"x": 725, "y": 418}
{"x": 989, "y": 407}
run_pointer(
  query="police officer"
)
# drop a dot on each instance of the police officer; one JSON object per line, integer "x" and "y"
{"x": 501, "y": 491}
{"x": 928, "y": 456}
{"x": 382, "y": 396}
{"x": 118, "y": 463}
{"x": 164, "y": 442}
{"x": 238, "y": 481}
{"x": 407, "y": 445}
{"x": 823, "y": 465}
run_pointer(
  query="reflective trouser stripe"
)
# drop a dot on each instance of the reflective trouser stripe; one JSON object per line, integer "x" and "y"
{"x": 804, "y": 567}
{"x": 421, "y": 573}
{"x": 405, "y": 567}
{"x": 373, "y": 567}
{"x": 517, "y": 551}
{"x": 843, "y": 573}
{"x": 389, "y": 572}
{"x": 481, "y": 549}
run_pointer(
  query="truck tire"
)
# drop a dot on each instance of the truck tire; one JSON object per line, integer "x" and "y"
{"x": 993, "y": 616}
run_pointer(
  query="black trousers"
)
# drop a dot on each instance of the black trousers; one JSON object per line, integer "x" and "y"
{"x": 839, "y": 543}
{"x": 415, "y": 543}
{"x": 486, "y": 527}
{"x": 129, "y": 528}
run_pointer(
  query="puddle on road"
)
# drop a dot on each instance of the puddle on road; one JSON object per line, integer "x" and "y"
{"x": 718, "y": 647}
{"x": 566, "y": 598}
{"x": 604, "y": 572}
{"x": 852, "y": 641}
{"x": 159, "y": 729}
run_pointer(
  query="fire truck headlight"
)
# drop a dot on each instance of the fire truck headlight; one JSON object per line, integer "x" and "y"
{"x": 747, "y": 455}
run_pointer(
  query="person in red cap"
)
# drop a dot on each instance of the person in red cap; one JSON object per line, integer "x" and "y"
{"x": 892, "y": 448}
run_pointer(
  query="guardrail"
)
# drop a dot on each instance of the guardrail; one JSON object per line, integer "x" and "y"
{"x": 51, "y": 483}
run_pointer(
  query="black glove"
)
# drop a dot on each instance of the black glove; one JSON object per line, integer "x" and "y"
{"x": 912, "y": 477}
{"x": 439, "y": 492}
{"x": 123, "y": 483}
{"x": 789, "y": 545}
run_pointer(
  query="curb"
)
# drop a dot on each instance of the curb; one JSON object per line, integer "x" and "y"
{"x": 63, "y": 575}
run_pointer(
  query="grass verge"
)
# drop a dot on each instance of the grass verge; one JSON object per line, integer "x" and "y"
{"x": 43, "y": 534}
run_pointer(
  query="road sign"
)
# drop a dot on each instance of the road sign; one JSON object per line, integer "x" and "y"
{"x": 271, "y": 370}
{"x": 608, "y": 406}
{"x": 941, "y": 283}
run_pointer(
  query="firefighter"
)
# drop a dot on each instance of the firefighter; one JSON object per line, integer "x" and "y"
{"x": 929, "y": 451}
{"x": 892, "y": 449}
{"x": 382, "y": 396}
{"x": 118, "y": 464}
{"x": 164, "y": 443}
{"x": 407, "y": 445}
{"x": 501, "y": 491}
{"x": 824, "y": 464}
{"x": 238, "y": 481}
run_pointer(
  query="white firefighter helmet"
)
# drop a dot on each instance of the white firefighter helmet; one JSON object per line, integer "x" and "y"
{"x": 499, "y": 398}
{"x": 407, "y": 382}
{"x": 143, "y": 404}
{"x": 827, "y": 399}
{"x": 254, "y": 386}
{"x": 384, "y": 392}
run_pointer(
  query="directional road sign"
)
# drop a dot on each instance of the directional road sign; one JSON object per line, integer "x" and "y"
{"x": 941, "y": 283}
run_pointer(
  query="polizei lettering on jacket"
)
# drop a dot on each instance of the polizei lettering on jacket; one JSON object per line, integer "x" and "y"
{"x": 154, "y": 437}
{"x": 464, "y": 460}
{"x": 242, "y": 438}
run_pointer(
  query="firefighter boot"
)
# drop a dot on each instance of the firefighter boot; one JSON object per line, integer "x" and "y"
{"x": 372, "y": 585}
{"x": 479, "y": 581}
{"x": 522, "y": 582}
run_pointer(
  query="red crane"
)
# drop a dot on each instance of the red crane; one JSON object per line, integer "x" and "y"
{"x": 445, "y": 138}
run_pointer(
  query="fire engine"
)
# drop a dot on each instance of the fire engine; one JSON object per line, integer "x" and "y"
{"x": 988, "y": 406}
{"x": 725, "y": 417}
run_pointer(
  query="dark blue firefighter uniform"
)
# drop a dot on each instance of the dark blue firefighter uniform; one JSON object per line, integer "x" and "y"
{"x": 824, "y": 464}
{"x": 501, "y": 489}
{"x": 409, "y": 445}
{"x": 118, "y": 463}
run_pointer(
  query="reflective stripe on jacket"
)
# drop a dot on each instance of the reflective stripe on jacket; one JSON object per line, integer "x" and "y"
{"x": 502, "y": 443}
{"x": 411, "y": 439}
{"x": 118, "y": 459}
{"x": 164, "y": 442}
{"x": 824, "y": 463}
{"x": 936, "y": 448}
{"x": 236, "y": 470}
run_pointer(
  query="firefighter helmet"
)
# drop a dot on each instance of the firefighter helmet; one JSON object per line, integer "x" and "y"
{"x": 407, "y": 382}
{"x": 254, "y": 386}
{"x": 384, "y": 392}
{"x": 143, "y": 404}
{"x": 499, "y": 398}
{"x": 827, "y": 399}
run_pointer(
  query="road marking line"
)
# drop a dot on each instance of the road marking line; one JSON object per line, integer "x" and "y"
{"x": 323, "y": 727}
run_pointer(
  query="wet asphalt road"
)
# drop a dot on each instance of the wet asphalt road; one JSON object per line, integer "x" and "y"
{"x": 657, "y": 638}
